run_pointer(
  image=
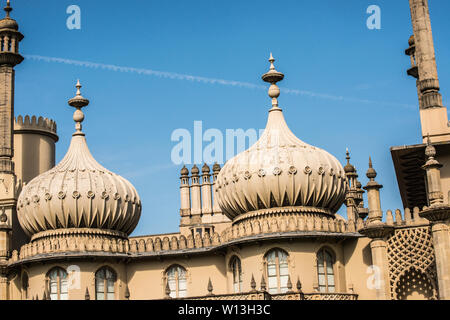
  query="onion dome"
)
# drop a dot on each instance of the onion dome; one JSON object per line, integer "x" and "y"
{"x": 184, "y": 171}
{"x": 206, "y": 169}
{"x": 216, "y": 167}
{"x": 7, "y": 22}
{"x": 371, "y": 173}
{"x": 349, "y": 168}
{"x": 195, "y": 170}
{"x": 78, "y": 196}
{"x": 280, "y": 173}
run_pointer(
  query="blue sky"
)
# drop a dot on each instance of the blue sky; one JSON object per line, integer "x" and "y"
{"x": 356, "y": 92}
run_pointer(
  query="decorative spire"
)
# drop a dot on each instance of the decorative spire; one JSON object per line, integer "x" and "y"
{"x": 371, "y": 173}
{"x": 253, "y": 283}
{"x": 210, "y": 287}
{"x": 272, "y": 77}
{"x": 78, "y": 102}
{"x": 430, "y": 150}
{"x": 87, "y": 296}
{"x": 263, "y": 283}
{"x": 127, "y": 292}
{"x": 349, "y": 168}
{"x": 289, "y": 284}
{"x": 8, "y": 8}
{"x": 299, "y": 285}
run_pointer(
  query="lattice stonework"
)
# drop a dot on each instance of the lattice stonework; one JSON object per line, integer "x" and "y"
{"x": 412, "y": 263}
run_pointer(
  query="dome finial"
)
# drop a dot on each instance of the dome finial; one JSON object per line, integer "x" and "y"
{"x": 349, "y": 168}
{"x": 78, "y": 102}
{"x": 272, "y": 77}
{"x": 8, "y": 8}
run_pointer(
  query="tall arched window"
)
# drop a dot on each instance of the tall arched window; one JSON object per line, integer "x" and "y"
{"x": 105, "y": 280}
{"x": 325, "y": 270}
{"x": 176, "y": 278}
{"x": 57, "y": 285}
{"x": 277, "y": 271}
{"x": 235, "y": 265}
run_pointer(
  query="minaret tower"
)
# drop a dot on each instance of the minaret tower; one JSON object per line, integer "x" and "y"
{"x": 9, "y": 58}
{"x": 433, "y": 114}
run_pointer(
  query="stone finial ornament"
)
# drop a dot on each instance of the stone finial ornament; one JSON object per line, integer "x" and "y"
{"x": 273, "y": 77}
{"x": 263, "y": 283}
{"x": 127, "y": 292}
{"x": 349, "y": 168}
{"x": 87, "y": 295}
{"x": 253, "y": 283}
{"x": 210, "y": 287}
{"x": 78, "y": 102}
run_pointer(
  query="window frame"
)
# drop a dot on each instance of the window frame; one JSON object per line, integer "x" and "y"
{"x": 279, "y": 289}
{"x": 105, "y": 279}
{"x": 177, "y": 279}
{"x": 237, "y": 285}
{"x": 59, "y": 281}
{"x": 323, "y": 252}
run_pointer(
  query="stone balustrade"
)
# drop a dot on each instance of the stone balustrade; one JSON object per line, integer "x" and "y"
{"x": 399, "y": 219}
{"x": 292, "y": 226}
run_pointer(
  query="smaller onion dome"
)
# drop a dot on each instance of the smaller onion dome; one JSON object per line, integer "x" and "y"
{"x": 216, "y": 167}
{"x": 349, "y": 168}
{"x": 7, "y": 22}
{"x": 206, "y": 169}
{"x": 195, "y": 170}
{"x": 184, "y": 171}
{"x": 371, "y": 173}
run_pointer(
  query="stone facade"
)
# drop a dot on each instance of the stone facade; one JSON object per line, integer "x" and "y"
{"x": 263, "y": 227}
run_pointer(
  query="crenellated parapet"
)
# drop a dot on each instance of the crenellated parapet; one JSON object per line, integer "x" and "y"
{"x": 34, "y": 124}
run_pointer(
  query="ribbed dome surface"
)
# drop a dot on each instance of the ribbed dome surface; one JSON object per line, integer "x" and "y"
{"x": 280, "y": 170}
{"x": 79, "y": 193}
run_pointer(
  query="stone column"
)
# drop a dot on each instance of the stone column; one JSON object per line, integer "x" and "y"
{"x": 206, "y": 191}
{"x": 196, "y": 208}
{"x": 378, "y": 231}
{"x": 439, "y": 216}
{"x": 185, "y": 198}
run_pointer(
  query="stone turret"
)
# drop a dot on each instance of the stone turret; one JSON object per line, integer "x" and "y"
{"x": 34, "y": 146}
{"x": 433, "y": 114}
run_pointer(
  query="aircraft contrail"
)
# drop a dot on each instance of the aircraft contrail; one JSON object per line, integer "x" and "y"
{"x": 186, "y": 77}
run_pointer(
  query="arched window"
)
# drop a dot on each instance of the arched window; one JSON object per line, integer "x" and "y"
{"x": 325, "y": 270}
{"x": 105, "y": 280}
{"x": 176, "y": 279}
{"x": 277, "y": 271}
{"x": 235, "y": 265}
{"x": 57, "y": 285}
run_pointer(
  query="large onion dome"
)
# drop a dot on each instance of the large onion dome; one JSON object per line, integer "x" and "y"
{"x": 280, "y": 173}
{"x": 79, "y": 195}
